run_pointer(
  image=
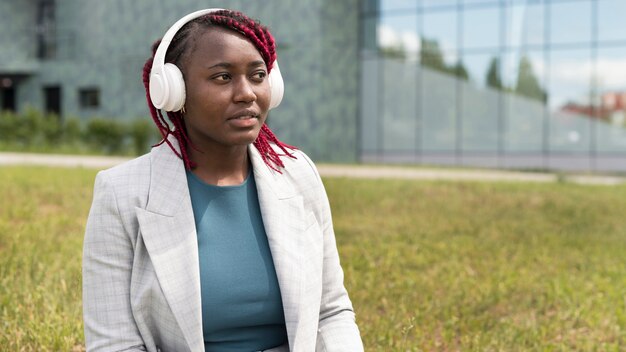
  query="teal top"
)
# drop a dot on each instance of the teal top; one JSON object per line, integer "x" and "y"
{"x": 242, "y": 308}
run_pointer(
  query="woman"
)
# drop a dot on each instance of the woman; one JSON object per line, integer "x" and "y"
{"x": 219, "y": 239}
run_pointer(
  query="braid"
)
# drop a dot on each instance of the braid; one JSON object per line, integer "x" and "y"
{"x": 253, "y": 33}
{"x": 260, "y": 37}
{"x": 267, "y": 152}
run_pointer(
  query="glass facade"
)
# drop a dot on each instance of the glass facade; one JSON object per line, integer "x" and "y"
{"x": 531, "y": 84}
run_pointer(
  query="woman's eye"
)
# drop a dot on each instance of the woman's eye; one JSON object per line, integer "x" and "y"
{"x": 260, "y": 75}
{"x": 222, "y": 77}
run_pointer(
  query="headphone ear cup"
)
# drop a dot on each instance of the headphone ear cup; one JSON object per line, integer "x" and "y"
{"x": 277, "y": 86}
{"x": 158, "y": 89}
{"x": 175, "y": 100}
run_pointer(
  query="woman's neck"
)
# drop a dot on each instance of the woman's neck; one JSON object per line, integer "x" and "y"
{"x": 221, "y": 166}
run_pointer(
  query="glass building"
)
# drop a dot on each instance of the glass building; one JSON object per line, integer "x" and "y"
{"x": 510, "y": 83}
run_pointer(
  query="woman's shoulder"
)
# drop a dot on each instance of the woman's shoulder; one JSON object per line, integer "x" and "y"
{"x": 132, "y": 169}
{"x": 299, "y": 164}
{"x": 128, "y": 182}
{"x": 302, "y": 174}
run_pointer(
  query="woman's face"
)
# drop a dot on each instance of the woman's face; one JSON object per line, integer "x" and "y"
{"x": 227, "y": 90}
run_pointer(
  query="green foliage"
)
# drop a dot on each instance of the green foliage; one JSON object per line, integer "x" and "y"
{"x": 28, "y": 129}
{"x": 430, "y": 266}
{"x": 528, "y": 83}
{"x": 106, "y": 134}
{"x": 8, "y": 121}
{"x": 431, "y": 56}
{"x": 141, "y": 131}
{"x": 393, "y": 52}
{"x": 33, "y": 131}
{"x": 459, "y": 71}
{"x": 493, "y": 78}
{"x": 72, "y": 131}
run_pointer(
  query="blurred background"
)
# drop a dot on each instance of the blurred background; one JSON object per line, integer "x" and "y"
{"x": 533, "y": 84}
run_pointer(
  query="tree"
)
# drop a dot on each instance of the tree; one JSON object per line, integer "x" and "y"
{"x": 393, "y": 52}
{"x": 459, "y": 70}
{"x": 493, "y": 78}
{"x": 431, "y": 56}
{"x": 527, "y": 83}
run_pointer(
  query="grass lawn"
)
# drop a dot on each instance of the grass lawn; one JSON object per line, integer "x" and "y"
{"x": 430, "y": 266}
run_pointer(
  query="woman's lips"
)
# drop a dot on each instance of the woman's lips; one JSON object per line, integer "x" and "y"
{"x": 243, "y": 121}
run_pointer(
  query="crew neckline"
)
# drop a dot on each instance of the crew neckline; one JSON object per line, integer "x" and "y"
{"x": 227, "y": 187}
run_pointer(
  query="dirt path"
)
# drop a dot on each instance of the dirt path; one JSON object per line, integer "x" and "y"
{"x": 337, "y": 170}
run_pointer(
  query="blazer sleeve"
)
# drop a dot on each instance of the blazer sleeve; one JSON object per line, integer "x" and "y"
{"x": 337, "y": 329}
{"x": 107, "y": 265}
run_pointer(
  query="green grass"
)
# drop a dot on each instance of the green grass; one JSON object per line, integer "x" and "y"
{"x": 42, "y": 217}
{"x": 483, "y": 266}
{"x": 430, "y": 266}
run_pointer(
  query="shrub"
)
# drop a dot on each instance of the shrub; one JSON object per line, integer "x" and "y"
{"x": 33, "y": 131}
{"x": 51, "y": 130}
{"x": 72, "y": 131}
{"x": 106, "y": 135}
{"x": 8, "y": 121}
{"x": 142, "y": 132}
{"x": 28, "y": 128}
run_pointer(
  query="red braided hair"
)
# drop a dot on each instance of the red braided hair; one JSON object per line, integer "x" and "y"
{"x": 260, "y": 37}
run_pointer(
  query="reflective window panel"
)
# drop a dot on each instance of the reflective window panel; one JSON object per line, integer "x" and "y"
{"x": 525, "y": 25}
{"x": 399, "y": 111}
{"x": 524, "y": 101}
{"x": 611, "y": 20}
{"x": 470, "y": 3}
{"x": 569, "y": 101}
{"x": 438, "y": 110}
{"x": 610, "y": 99}
{"x": 481, "y": 27}
{"x": 480, "y": 96}
{"x": 441, "y": 28}
{"x": 434, "y": 4}
{"x": 395, "y": 5}
{"x": 398, "y": 37}
{"x": 570, "y": 22}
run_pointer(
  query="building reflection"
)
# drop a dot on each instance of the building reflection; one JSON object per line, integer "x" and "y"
{"x": 528, "y": 84}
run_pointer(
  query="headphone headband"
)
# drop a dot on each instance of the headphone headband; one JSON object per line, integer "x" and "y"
{"x": 159, "y": 56}
{"x": 167, "y": 86}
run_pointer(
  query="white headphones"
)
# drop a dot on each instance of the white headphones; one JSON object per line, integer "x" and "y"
{"x": 167, "y": 86}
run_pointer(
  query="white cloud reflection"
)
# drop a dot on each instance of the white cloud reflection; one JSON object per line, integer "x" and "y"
{"x": 408, "y": 41}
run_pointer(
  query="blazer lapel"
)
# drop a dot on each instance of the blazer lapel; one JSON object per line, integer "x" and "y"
{"x": 168, "y": 229}
{"x": 282, "y": 212}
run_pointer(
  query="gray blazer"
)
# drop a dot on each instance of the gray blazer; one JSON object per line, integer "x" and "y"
{"x": 141, "y": 283}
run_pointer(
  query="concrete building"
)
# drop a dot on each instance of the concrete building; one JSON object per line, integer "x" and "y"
{"x": 85, "y": 57}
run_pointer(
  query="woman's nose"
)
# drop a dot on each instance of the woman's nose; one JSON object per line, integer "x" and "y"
{"x": 244, "y": 91}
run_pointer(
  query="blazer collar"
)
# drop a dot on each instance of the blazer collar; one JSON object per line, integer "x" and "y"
{"x": 270, "y": 178}
{"x": 169, "y": 191}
